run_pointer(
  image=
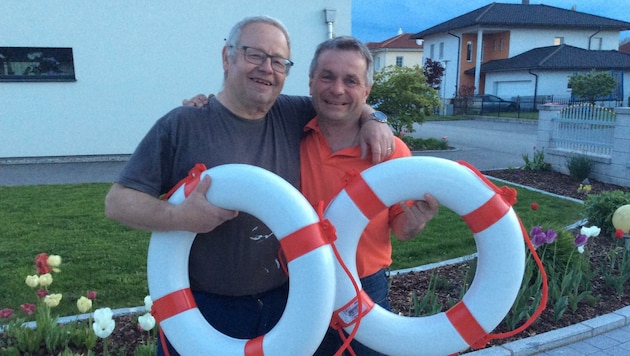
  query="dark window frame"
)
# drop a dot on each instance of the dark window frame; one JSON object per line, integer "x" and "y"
{"x": 37, "y": 64}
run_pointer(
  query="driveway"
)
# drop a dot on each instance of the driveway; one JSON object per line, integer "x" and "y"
{"x": 485, "y": 144}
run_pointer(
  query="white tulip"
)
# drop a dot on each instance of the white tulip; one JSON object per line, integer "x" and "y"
{"x": 103, "y": 322}
{"x": 592, "y": 231}
{"x": 148, "y": 303}
{"x": 146, "y": 321}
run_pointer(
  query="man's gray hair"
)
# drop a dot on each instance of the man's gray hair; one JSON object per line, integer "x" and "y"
{"x": 234, "y": 37}
{"x": 345, "y": 43}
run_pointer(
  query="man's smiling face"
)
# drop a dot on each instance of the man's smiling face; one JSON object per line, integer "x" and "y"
{"x": 338, "y": 85}
{"x": 254, "y": 85}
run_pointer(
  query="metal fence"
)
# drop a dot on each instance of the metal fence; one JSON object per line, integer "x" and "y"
{"x": 528, "y": 103}
{"x": 473, "y": 106}
{"x": 584, "y": 128}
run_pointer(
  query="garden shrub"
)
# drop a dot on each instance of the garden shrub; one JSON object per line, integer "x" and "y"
{"x": 579, "y": 166}
{"x": 537, "y": 163}
{"x": 420, "y": 144}
{"x": 599, "y": 208}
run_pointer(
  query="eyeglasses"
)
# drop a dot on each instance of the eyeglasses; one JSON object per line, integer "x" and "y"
{"x": 258, "y": 57}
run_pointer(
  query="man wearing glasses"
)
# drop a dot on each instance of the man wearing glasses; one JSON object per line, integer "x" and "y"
{"x": 235, "y": 275}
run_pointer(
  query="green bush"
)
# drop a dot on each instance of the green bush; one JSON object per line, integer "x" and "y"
{"x": 537, "y": 163}
{"x": 420, "y": 144}
{"x": 579, "y": 166}
{"x": 599, "y": 208}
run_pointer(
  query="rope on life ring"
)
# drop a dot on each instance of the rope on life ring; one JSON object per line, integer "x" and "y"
{"x": 498, "y": 236}
{"x": 309, "y": 259}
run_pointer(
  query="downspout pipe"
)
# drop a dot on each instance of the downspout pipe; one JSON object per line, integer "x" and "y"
{"x": 459, "y": 49}
{"x": 590, "y": 38}
{"x": 535, "y": 86}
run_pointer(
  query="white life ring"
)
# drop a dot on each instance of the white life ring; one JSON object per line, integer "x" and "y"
{"x": 287, "y": 213}
{"x": 497, "y": 233}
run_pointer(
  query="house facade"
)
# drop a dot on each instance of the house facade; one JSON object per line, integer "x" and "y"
{"x": 90, "y": 78}
{"x": 469, "y": 44}
{"x": 399, "y": 50}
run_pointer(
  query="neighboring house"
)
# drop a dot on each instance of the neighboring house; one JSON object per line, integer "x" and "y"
{"x": 508, "y": 49}
{"x": 625, "y": 48}
{"x": 399, "y": 50}
{"x": 89, "y": 78}
{"x": 550, "y": 67}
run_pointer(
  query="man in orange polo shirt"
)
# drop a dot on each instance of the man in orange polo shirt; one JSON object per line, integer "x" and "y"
{"x": 340, "y": 82}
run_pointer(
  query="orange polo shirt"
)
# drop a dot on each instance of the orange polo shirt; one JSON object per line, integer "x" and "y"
{"x": 323, "y": 173}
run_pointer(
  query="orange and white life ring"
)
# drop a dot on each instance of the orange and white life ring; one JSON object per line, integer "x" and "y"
{"x": 310, "y": 261}
{"x": 497, "y": 233}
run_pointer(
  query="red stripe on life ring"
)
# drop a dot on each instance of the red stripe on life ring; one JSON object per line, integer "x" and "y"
{"x": 487, "y": 214}
{"x": 364, "y": 197}
{"x": 465, "y": 323}
{"x": 173, "y": 304}
{"x": 254, "y": 347}
{"x": 303, "y": 241}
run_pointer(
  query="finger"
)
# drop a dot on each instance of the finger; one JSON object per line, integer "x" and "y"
{"x": 364, "y": 149}
{"x": 433, "y": 203}
{"x": 203, "y": 185}
{"x": 377, "y": 155}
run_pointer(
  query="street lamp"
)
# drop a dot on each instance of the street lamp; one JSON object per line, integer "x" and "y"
{"x": 329, "y": 15}
{"x": 621, "y": 221}
{"x": 444, "y": 85}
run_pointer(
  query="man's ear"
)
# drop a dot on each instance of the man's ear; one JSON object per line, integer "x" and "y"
{"x": 367, "y": 92}
{"x": 225, "y": 58}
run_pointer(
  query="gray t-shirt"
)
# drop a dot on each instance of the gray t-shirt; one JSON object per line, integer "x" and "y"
{"x": 240, "y": 257}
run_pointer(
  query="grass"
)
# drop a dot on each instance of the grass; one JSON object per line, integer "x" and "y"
{"x": 102, "y": 255}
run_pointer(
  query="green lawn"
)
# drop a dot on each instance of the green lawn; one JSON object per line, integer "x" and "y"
{"x": 104, "y": 256}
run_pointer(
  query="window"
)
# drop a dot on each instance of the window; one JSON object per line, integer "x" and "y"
{"x": 469, "y": 50}
{"x": 558, "y": 41}
{"x": 377, "y": 63}
{"x": 441, "y": 50}
{"x": 432, "y": 52}
{"x": 36, "y": 64}
{"x": 399, "y": 61}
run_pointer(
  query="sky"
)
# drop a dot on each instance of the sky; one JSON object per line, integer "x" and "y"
{"x": 376, "y": 21}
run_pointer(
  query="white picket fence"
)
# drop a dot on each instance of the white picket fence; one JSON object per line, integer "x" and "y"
{"x": 602, "y": 134}
{"x": 585, "y": 129}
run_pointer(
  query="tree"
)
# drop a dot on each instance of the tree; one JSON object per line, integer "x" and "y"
{"x": 592, "y": 85}
{"x": 404, "y": 95}
{"x": 434, "y": 71}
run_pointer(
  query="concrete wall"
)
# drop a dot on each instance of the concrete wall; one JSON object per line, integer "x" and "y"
{"x": 134, "y": 61}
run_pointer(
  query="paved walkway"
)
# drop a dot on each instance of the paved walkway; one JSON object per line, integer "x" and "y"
{"x": 485, "y": 144}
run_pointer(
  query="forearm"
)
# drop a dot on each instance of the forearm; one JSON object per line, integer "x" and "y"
{"x": 139, "y": 210}
{"x": 366, "y": 114}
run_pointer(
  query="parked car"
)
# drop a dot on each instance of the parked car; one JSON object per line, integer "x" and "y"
{"x": 492, "y": 103}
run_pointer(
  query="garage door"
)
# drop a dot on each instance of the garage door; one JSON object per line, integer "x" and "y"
{"x": 509, "y": 89}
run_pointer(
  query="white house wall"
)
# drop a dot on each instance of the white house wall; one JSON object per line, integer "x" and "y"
{"x": 523, "y": 40}
{"x": 134, "y": 61}
{"x": 449, "y": 59}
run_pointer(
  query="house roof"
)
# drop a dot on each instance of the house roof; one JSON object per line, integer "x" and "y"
{"x": 402, "y": 41}
{"x": 562, "y": 57}
{"x": 625, "y": 47}
{"x": 523, "y": 15}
